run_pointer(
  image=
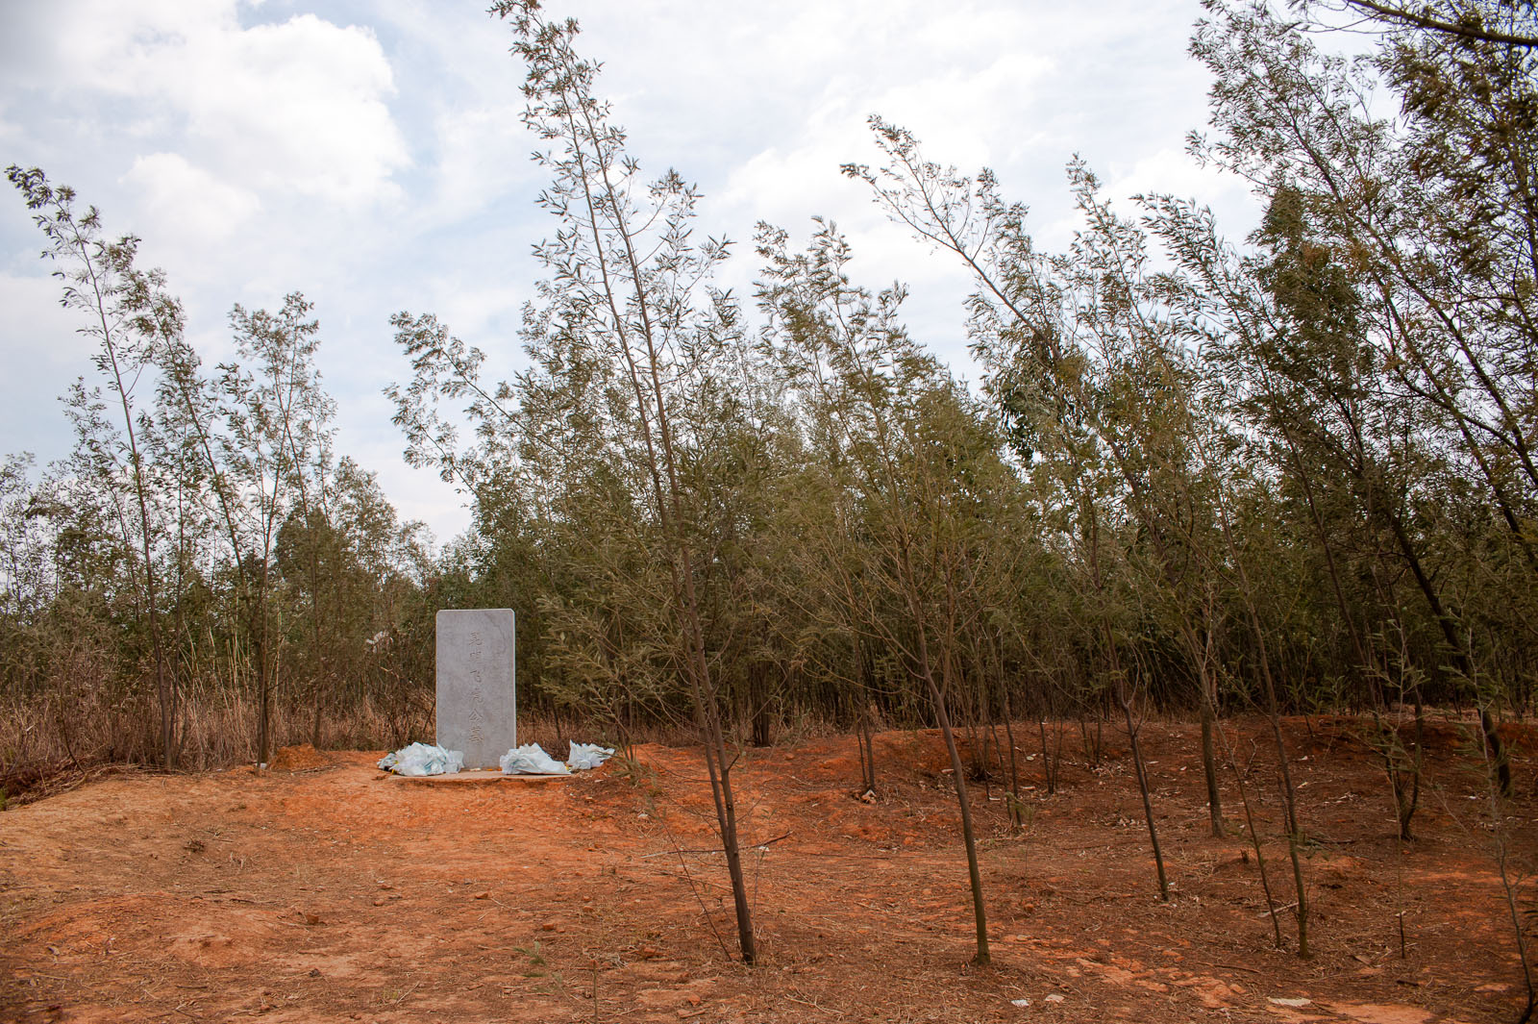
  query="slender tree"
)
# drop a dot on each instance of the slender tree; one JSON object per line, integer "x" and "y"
{"x": 920, "y": 467}
{"x": 125, "y": 311}
{"x": 628, "y": 308}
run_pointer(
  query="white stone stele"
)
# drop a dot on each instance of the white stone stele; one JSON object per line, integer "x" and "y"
{"x": 477, "y": 701}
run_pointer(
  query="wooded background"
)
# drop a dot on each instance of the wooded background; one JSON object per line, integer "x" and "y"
{"x": 1196, "y": 471}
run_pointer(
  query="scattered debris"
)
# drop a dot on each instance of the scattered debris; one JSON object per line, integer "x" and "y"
{"x": 531, "y": 759}
{"x": 587, "y": 755}
{"x": 421, "y": 759}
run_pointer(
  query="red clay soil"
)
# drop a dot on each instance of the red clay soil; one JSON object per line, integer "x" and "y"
{"x": 332, "y": 892}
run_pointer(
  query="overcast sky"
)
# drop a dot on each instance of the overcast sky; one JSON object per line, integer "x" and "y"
{"x": 369, "y": 154}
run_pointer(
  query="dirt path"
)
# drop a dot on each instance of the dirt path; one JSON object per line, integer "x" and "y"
{"x": 335, "y": 893}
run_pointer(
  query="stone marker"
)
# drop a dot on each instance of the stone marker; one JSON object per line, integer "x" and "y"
{"x": 477, "y": 704}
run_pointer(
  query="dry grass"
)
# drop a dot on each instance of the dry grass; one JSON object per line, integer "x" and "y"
{"x": 59, "y": 739}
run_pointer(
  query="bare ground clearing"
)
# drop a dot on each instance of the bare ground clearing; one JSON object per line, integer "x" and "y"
{"x": 329, "y": 892}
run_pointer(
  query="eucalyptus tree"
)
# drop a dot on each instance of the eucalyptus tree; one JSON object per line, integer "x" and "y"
{"x": 1083, "y": 364}
{"x": 348, "y": 572}
{"x": 814, "y": 551}
{"x": 631, "y": 279}
{"x": 125, "y": 311}
{"x": 1478, "y": 22}
{"x": 913, "y": 469}
{"x": 191, "y": 408}
{"x": 1091, "y": 352}
{"x": 1432, "y": 217}
{"x": 275, "y": 424}
{"x": 1284, "y": 344}
{"x": 630, "y": 320}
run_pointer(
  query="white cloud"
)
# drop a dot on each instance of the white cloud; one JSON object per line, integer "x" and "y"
{"x": 479, "y": 307}
{"x": 42, "y": 345}
{"x": 47, "y": 332}
{"x": 300, "y": 105}
{"x": 482, "y": 153}
{"x": 189, "y": 205}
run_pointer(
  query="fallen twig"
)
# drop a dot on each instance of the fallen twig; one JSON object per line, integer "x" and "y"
{"x": 714, "y": 850}
{"x": 768, "y": 842}
{"x": 695, "y": 889}
{"x": 1231, "y": 967}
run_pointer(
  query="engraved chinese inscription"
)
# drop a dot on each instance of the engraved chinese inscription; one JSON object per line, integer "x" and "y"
{"x": 477, "y": 705}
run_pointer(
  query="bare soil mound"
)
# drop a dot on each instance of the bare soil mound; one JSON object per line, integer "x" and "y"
{"x": 301, "y": 758}
{"x": 323, "y": 892}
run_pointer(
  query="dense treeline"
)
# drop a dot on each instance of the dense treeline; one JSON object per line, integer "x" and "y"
{"x": 1297, "y": 473}
{"x": 1195, "y": 466}
{"x": 203, "y": 573}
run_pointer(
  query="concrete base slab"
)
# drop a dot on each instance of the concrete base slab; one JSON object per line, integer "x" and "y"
{"x": 469, "y": 776}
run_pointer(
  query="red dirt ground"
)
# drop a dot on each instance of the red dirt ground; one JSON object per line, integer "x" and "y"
{"x": 331, "y": 892}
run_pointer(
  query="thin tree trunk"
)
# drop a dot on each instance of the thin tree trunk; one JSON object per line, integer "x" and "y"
{"x": 163, "y": 685}
{"x": 1260, "y": 857}
{"x": 1014, "y": 765}
{"x": 958, "y": 775}
{"x": 1209, "y": 765}
{"x": 653, "y": 414}
{"x": 1125, "y": 700}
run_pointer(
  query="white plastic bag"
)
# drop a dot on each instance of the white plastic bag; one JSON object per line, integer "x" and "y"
{"x": 587, "y": 755}
{"x": 423, "y": 759}
{"x": 531, "y": 759}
